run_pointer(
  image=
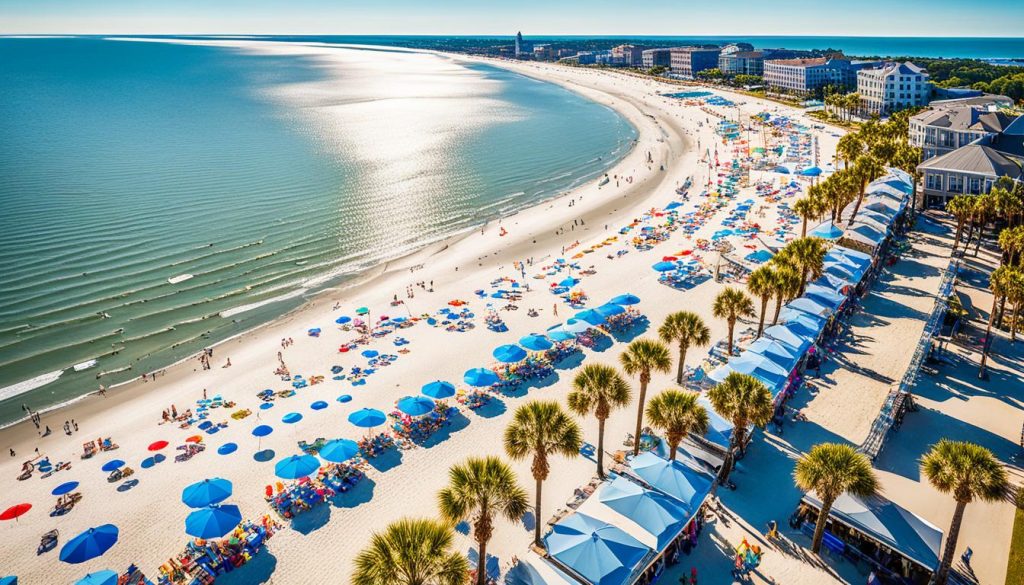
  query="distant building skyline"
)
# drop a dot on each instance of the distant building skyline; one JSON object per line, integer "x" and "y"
{"x": 926, "y": 18}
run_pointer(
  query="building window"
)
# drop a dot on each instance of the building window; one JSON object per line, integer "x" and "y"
{"x": 933, "y": 181}
{"x": 975, "y": 186}
{"x": 955, "y": 184}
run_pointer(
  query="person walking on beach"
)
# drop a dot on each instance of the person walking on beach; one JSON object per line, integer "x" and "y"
{"x": 74, "y": 425}
{"x": 555, "y": 309}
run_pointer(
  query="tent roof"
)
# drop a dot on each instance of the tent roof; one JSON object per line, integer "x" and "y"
{"x": 683, "y": 483}
{"x": 651, "y": 517}
{"x": 889, "y": 523}
{"x": 597, "y": 551}
{"x": 535, "y": 570}
{"x": 789, "y": 337}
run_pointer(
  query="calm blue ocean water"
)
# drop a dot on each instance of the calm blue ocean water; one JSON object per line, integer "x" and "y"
{"x": 265, "y": 177}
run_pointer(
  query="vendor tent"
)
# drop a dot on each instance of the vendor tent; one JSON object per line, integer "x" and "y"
{"x": 599, "y": 553}
{"x": 779, "y": 353}
{"x": 536, "y": 571}
{"x": 790, "y": 337}
{"x": 681, "y": 482}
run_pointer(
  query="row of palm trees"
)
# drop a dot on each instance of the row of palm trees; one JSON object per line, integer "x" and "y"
{"x": 1005, "y": 202}
{"x": 865, "y": 154}
{"x": 967, "y": 471}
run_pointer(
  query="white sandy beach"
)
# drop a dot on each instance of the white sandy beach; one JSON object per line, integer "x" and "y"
{"x": 151, "y": 516}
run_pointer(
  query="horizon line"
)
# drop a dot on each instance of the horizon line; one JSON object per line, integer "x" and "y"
{"x": 502, "y": 35}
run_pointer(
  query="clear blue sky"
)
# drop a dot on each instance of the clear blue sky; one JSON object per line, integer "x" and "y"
{"x": 534, "y": 17}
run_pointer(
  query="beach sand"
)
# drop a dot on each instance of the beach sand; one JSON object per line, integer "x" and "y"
{"x": 324, "y": 542}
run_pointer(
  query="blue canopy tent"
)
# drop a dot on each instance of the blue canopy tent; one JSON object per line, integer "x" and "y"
{"x": 787, "y": 336}
{"x": 825, "y": 296}
{"x": 537, "y": 571}
{"x": 847, "y": 273}
{"x": 672, "y": 478}
{"x": 719, "y": 428}
{"x": 826, "y": 231}
{"x": 808, "y": 305}
{"x": 894, "y": 526}
{"x": 599, "y": 553}
{"x": 759, "y": 366}
{"x": 833, "y": 283}
{"x": 858, "y": 258}
{"x": 805, "y": 324}
{"x": 865, "y": 234}
{"x": 657, "y": 514}
{"x": 777, "y": 352}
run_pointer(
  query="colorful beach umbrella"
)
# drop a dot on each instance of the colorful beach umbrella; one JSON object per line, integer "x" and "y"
{"x": 339, "y": 450}
{"x": 318, "y": 405}
{"x": 15, "y": 511}
{"x": 367, "y": 418}
{"x": 480, "y": 377}
{"x": 439, "y": 390}
{"x": 156, "y": 446}
{"x": 291, "y": 418}
{"x": 194, "y": 439}
{"x": 89, "y": 544}
{"x": 625, "y": 300}
{"x": 64, "y": 488}
{"x": 106, "y": 577}
{"x": 509, "y": 353}
{"x": 535, "y": 342}
{"x": 415, "y": 405}
{"x": 204, "y": 493}
{"x": 213, "y": 521}
{"x": 112, "y": 465}
{"x": 296, "y": 466}
{"x": 362, "y": 311}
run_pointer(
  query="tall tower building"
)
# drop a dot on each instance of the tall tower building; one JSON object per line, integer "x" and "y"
{"x": 519, "y": 44}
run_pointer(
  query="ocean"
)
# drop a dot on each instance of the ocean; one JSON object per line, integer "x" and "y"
{"x": 251, "y": 180}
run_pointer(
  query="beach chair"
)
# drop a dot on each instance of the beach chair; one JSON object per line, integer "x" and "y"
{"x": 88, "y": 449}
{"x": 48, "y": 542}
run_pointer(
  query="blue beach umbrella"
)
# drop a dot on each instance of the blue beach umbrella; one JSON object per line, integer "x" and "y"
{"x": 480, "y": 377}
{"x": 89, "y": 544}
{"x": 664, "y": 266}
{"x": 569, "y": 281}
{"x": 344, "y": 398}
{"x": 64, "y": 488}
{"x": 262, "y": 431}
{"x": 509, "y": 353}
{"x": 370, "y": 353}
{"x": 367, "y": 418}
{"x": 598, "y": 552}
{"x": 415, "y": 405}
{"x": 296, "y": 466}
{"x": 266, "y": 406}
{"x": 590, "y": 316}
{"x": 339, "y": 450}
{"x": 438, "y": 390}
{"x": 610, "y": 310}
{"x": 811, "y": 172}
{"x": 213, "y": 521}
{"x": 575, "y": 326}
{"x": 291, "y": 418}
{"x": 343, "y": 320}
{"x": 106, "y": 577}
{"x": 535, "y": 342}
{"x": 561, "y": 335}
{"x": 207, "y": 492}
{"x": 625, "y": 300}
{"x": 318, "y": 405}
{"x": 112, "y": 465}
{"x": 227, "y": 448}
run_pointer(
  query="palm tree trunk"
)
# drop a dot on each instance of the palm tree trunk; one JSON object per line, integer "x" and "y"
{"x": 536, "y": 513}
{"x": 778, "y": 308}
{"x": 951, "y": 538}
{"x": 639, "y": 415}
{"x": 819, "y": 527}
{"x": 987, "y": 343}
{"x": 1002, "y": 311}
{"x": 600, "y": 448}
{"x": 673, "y": 445}
{"x": 856, "y": 208}
{"x": 732, "y": 324}
{"x": 764, "y": 308}
{"x": 959, "y": 231}
{"x": 483, "y": 534}
{"x": 803, "y": 230}
{"x": 1013, "y": 323}
{"x": 682, "y": 361}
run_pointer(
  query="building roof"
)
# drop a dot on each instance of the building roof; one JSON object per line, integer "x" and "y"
{"x": 800, "y": 62}
{"x": 747, "y": 55}
{"x": 977, "y": 159}
{"x": 887, "y": 69}
{"x": 966, "y": 118}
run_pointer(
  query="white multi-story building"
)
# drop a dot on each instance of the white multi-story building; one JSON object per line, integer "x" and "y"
{"x": 893, "y": 87}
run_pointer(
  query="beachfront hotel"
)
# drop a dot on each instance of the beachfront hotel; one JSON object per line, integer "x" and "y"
{"x": 689, "y": 61}
{"x": 893, "y": 87}
{"x": 628, "y": 55}
{"x": 806, "y": 76}
{"x": 974, "y": 168}
{"x": 953, "y": 124}
{"x": 656, "y": 58}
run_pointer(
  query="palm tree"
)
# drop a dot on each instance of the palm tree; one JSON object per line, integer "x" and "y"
{"x": 969, "y": 472}
{"x": 867, "y": 169}
{"x": 598, "y": 388}
{"x": 998, "y": 283}
{"x": 962, "y": 208}
{"x": 744, "y": 400}
{"x": 807, "y": 255}
{"x": 787, "y": 284}
{"x": 686, "y": 329}
{"x": 763, "y": 285}
{"x": 1015, "y": 294}
{"x": 806, "y": 209}
{"x": 411, "y": 551}
{"x": 831, "y": 470}
{"x": 477, "y": 490}
{"x": 540, "y": 429}
{"x": 849, "y": 148}
{"x": 641, "y": 358}
{"x": 731, "y": 304}
{"x": 678, "y": 414}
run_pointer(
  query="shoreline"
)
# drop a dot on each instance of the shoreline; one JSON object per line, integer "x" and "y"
{"x": 365, "y": 277}
{"x": 344, "y": 282}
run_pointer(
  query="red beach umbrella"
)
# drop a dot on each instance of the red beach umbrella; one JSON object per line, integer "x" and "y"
{"x": 194, "y": 439}
{"x": 157, "y": 445}
{"x": 13, "y": 512}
